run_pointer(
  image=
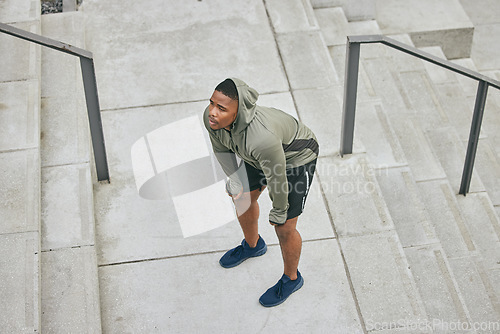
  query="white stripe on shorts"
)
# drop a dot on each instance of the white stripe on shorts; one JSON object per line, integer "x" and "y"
{"x": 307, "y": 190}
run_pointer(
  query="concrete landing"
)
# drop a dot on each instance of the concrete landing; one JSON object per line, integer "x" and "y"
{"x": 171, "y": 295}
{"x": 179, "y": 47}
{"x": 69, "y": 279}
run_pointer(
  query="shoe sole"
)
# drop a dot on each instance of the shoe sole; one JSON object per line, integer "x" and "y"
{"x": 259, "y": 253}
{"x": 301, "y": 283}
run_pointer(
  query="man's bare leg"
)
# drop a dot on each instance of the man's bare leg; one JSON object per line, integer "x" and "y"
{"x": 291, "y": 246}
{"x": 248, "y": 216}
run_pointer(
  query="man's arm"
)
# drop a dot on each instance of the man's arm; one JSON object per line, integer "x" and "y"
{"x": 273, "y": 163}
{"x": 227, "y": 160}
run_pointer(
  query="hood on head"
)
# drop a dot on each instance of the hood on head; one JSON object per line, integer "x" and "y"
{"x": 247, "y": 97}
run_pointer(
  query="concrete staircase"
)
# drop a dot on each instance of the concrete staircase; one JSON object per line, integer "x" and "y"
{"x": 49, "y": 268}
{"x": 412, "y": 126}
{"x": 20, "y": 171}
{"x": 404, "y": 247}
{"x": 69, "y": 280}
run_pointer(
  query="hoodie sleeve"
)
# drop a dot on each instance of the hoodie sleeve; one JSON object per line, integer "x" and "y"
{"x": 271, "y": 158}
{"x": 227, "y": 160}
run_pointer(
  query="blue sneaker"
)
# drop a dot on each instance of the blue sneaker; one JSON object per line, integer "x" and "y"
{"x": 237, "y": 255}
{"x": 281, "y": 290}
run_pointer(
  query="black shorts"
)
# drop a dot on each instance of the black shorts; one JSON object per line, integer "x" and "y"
{"x": 299, "y": 182}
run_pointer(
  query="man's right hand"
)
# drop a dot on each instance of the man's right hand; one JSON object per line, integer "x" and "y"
{"x": 237, "y": 196}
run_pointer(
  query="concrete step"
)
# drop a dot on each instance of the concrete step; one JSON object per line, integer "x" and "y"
{"x": 456, "y": 107}
{"x": 335, "y": 26}
{"x": 128, "y": 47}
{"x": 375, "y": 130}
{"x": 20, "y": 170}
{"x": 22, "y": 58}
{"x": 350, "y": 186}
{"x": 288, "y": 16}
{"x": 436, "y": 283}
{"x": 354, "y": 10}
{"x": 384, "y": 284}
{"x": 415, "y": 117}
{"x": 429, "y": 23}
{"x": 450, "y": 152}
{"x": 408, "y": 212}
{"x": 306, "y": 47}
{"x": 19, "y": 11}
{"x": 487, "y": 166}
{"x": 69, "y": 280}
{"x": 370, "y": 240}
{"x": 484, "y": 226}
{"x": 468, "y": 85}
{"x": 389, "y": 87}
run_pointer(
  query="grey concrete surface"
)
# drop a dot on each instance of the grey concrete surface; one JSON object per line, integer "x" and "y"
{"x": 387, "y": 240}
{"x": 397, "y": 233}
{"x": 350, "y": 187}
{"x": 69, "y": 299}
{"x": 125, "y": 54}
{"x": 435, "y": 282}
{"x": 65, "y": 136}
{"x": 447, "y": 219}
{"x": 481, "y": 12}
{"x": 306, "y": 60}
{"x": 67, "y": 214}
{"x": 375, "y": 131}
{"x": 484, "y": 227}
{"x": 20, "y": 196}
{"x": 485, "y": 16}
{"x": 69, "y": 280}
{"x": 336, "y": 28}
{"x": 20, "y": 115}
{"x": 171, "y": 295}
{"x": 437, "y": 74}
{"x": 60, "y": 69}
{"x": 20, "y": 289}
{"x": 384, "y": 284}
{"x": 409, "y": 215}
{"x": 429, "y": 23}
{"x": 488, "y": 168}
{"x": 457, "y": 109}
{"x": 118, "y": 204}
{"x": 450, "y": 152}
{"x": 333, "y": 24}
{"x": 475, "y": 286}
{"x": 20, "y": 171}
{"x": 354, "y": 10}
{"x": 288, "y": 16}
{"x": 12, "y": 11}
{"x": 485, "y": 51}
{"x": 23, "y": 61}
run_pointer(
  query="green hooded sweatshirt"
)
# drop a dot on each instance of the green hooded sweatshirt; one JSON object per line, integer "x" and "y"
{"x": 267, "y": 139}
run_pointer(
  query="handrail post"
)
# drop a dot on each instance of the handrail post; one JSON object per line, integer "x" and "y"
{"x": 90, "y": 87}
{"x": 94, "y": 114}
{"x": 477, "y": 118}
{"x": 350, "y": 92}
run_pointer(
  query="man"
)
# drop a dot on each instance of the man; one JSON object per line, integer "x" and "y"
{"x": 277, "y": 151}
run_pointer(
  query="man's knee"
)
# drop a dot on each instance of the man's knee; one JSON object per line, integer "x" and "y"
{"x": 247, "y": 201}
{"x": 284, "y": 230}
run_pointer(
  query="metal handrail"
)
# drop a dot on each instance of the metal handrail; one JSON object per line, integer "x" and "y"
{"x": 90, "y": 88}
{"x": 351, "y": 87}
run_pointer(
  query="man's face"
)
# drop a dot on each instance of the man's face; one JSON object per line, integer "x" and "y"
{"x": 222, "y": 111}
